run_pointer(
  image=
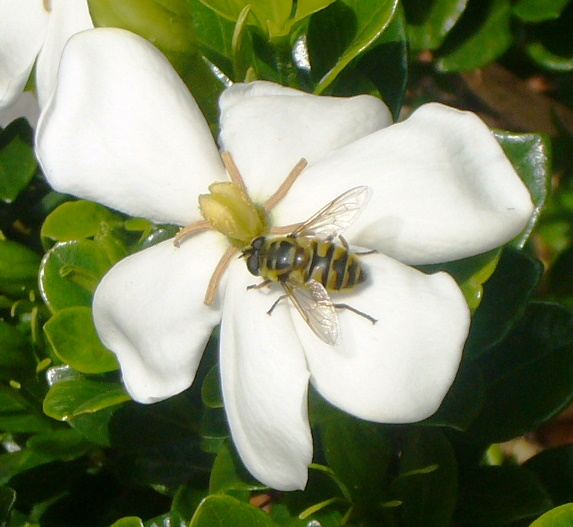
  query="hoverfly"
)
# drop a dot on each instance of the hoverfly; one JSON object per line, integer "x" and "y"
{"x": 309, "y": 264}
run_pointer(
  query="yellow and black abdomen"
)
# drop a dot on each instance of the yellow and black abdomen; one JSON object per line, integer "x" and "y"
{"x": 300, "y": 259}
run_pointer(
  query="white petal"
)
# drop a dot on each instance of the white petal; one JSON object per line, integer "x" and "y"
{"x": 442, "y": 188}
{"x": 399, "y": 369}
{"x": 265, "y": 383}
{"x": 122, "y": 130}
{"x": 67, "y": 17}
{"x": 269, "y": 128}
{"x": 149, "y": 310}
{"x": 26, "y": 106}
{"x": 22, "y": 29}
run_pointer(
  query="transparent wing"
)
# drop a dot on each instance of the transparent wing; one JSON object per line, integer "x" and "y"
{"x": 314, "y": 304}
{"x": 333, "y": 219}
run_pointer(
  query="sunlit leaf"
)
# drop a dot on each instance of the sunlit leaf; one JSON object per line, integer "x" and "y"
{"x": 482, "y": 35}
{"x": 17, "y": 160}
{"x": 430, "y": 21}
{"x": 558, "y": 517}
{"x": 226, "y": 511}
{"x": 68, "y": 399}
{"x": 73, "y": 336}
{"x": 536, "y": 11}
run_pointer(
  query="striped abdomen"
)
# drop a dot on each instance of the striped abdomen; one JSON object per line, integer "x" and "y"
{"x": 300, "y": 259}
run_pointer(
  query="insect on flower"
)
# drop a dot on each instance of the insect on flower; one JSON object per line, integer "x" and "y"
{"x": 306, "y": 261}
{"x": 309, "y": 265}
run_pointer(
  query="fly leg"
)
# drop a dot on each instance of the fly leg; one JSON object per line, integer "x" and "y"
{"x": 357, "y": 311}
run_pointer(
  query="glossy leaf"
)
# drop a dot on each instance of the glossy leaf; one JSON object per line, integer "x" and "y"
{"x": 536, "y": 11}
{"x": 464, "y": 399}
{"x": 481, "y": 36}
{"x": 226, "y": 511}
{"x": 76, "y": 220}
{"x": 15, "y": 352}
{"x": 19, "y": 415}
{"x": 505, "y": 296}
{"x": 14, "y": 463}
{"x": 558, "y": 517}
{"x": 350, "y": 27}
{"x": 530, "y": 154}
{"x": 427, "y": 481}
{"x": 500, "y": 495}
{"x": 549, "y": 44}
{"x": 17, "y": 160}
{"x": 73, "y": 336}
{"x": 68, "y": 399}
{"x": 528, "y": 376}
{"x": 18, "y": 269}
{"x": 70, "y": 272}
{"x": 430, "y": 21}
{"x": 64, "y": 444}
{"x": 552, "y": 468}
{"x": 211, "y": 389}
{"x": 128, "y": 521}
{"x": 352, "y": 448}
{"x": 228, "y": 473}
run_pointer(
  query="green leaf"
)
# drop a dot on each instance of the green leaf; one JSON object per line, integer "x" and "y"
{"x": 427, "y": 480}
{"x": 18, "y": 269}
{"x": 68, "y": 399}
{"x": 530, "y": 154}
{"x": 7, "y": 501}
{"x": 95, "y": 427}
{"x": 430, "y": 21}
{"x": 171, "y": 519}
{"x": 17, "y": 160}
{"x": 352, "y": 448}
{"x": 536, "y": 11}
{"x": 75, "y": 220}
{"x": 549, "y": 44}
{"x": 229, "y": 473}
{"x": 70, "y": 272}
{"x": 559, "y": 517}
{"x": 505, "y": 296}
{"x": 549, "y": 466}
{"x": 14, "y": 463}
{"x": 18, "y": 414}
{"x": 64, "y": 444}
{"x": 15, "y": 352}
{"x": 528, "y": 376}
{"x": 464, "y": 399}
{"x": 226, "y": 511}
{"x": 481, "y": 36}
{"x": 211, "y": 389}
{"x": 344, "y": 31}
{"x": 500, "y": 495}
{"x": 128, "y": 521}
{"x": 385, "y": 65}
{"x": 73, "y": 336}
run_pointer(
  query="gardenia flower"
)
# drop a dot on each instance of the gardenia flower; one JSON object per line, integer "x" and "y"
{"x": 123, "y": 130}
{"x": 31, "y": 29}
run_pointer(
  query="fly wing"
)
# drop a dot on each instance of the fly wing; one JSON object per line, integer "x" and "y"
{"x": 316, "y": 308}
{"x": 334, "y": 218}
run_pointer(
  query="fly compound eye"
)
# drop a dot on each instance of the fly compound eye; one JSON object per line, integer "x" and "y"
{"x": 253, "y": 264}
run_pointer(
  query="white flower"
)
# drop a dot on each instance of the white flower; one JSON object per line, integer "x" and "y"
{"x": 31, "y": 29}
{"x": 122, "y": 129}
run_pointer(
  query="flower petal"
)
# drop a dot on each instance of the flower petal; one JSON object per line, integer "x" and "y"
{"x": 265, "y": 383}
{"x": 268, "y": 128}
{"x": 66, "y": 19}
{"x": 443, "y": 188}
{"x": 122, "y": 130}
{"x": 22, "y": 29}
{"x": 399, "y": 369}
{"x": 25, "y": 106}
{"x": 149, "y": 311}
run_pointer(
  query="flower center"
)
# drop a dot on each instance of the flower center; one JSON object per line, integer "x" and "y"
{"x": 47, "y": 5}
{"x": 229, "y": 210}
